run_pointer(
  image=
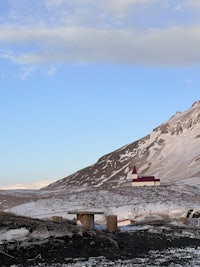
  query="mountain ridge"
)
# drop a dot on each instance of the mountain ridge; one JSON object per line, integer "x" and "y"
{"x": 170, "y": 152}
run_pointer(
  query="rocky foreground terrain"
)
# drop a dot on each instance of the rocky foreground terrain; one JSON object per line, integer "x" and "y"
{"x": 47, "y": 242}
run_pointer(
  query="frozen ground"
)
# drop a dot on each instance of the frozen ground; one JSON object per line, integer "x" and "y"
{"x": 168, "y": 203}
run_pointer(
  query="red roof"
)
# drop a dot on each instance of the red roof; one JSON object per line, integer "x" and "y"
{"x": 146, "y": 179}
{"x": 134, "y": 170}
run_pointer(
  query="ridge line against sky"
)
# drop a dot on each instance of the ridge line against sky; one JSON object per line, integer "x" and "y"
{"x": 81, "y": 78}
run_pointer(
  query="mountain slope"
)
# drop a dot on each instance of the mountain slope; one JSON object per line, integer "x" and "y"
{"x": 171, "y": 152}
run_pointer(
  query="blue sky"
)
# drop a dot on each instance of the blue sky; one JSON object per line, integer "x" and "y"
{"x": 81, "y": 78}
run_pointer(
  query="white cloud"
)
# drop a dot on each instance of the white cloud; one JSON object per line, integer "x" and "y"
{"x": 98, "y": 3}
{"x": 193, "y": 3}
{"x": 123, "y": 5}
{"x": 54, "y": 3}
{"x": 91, "y": 12}
{"x": 81, "y": 12}
{"x": 86, "y": 31}
{"x": 187, "y": 5}
{"x": 171, "y": 46}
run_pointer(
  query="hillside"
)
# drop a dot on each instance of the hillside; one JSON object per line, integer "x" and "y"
{"x": 171, "y": 153}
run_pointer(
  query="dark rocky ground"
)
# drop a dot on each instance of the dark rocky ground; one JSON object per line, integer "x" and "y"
{"x": 77, "y": 242}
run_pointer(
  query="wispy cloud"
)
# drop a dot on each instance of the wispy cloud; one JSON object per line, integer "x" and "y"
{"x": 170, "y": 46}
{"x": 87, "y": 31}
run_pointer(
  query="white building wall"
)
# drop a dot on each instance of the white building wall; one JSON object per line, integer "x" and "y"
{"x": 152, "y": 183}
{"x": 134, "y": 176}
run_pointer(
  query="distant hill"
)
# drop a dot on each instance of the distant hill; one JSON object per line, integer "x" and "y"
{"x": 171, "y": 153}
{"x": 33, "y": 185}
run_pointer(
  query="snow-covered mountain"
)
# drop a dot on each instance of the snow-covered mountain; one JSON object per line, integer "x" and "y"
{"x": 171, "y": 153}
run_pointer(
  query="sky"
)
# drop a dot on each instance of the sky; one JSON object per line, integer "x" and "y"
{"x": 82, "y": 78}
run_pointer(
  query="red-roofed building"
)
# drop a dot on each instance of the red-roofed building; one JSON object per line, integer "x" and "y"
{"x": 144, "y": 180}
{"x": 134, "y": 173}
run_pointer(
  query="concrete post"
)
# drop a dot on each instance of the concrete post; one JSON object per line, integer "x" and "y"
{"x": 112, "y": 223}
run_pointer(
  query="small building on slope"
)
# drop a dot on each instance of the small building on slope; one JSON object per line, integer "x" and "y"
{"x": 144, "y": 180}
